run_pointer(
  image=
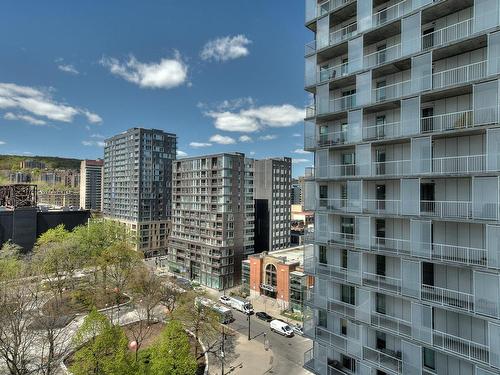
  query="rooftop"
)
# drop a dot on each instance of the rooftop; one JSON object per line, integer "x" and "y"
{"x": 291, "y": 255}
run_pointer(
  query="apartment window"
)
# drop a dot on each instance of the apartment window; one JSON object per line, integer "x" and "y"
{"x": 322, "y": 318}
{"x": 380, "y": 128}
{"x": 348, "y": 363}
{"x": 344, "y": 258}
{"x": 348, "y": 294}
{"x": 380, "y": 265}
{"x": 343, "y": 326}
{"x": 380, "y": 196}
{"x": 347, "y": 225}
{"x": 428, "y": 273}
{"x": 428, "y": 119}
{"x": 323, "y": 195}
{"x": 381, "y": 339}
{"x": 380, "y": 301}
{"x": 429, "y": 358}
{"x": 381, "y": 57}
{"x": 322, "y": 255}
{"x": 380, "y": 160}
{"x": 381, "y": 94}
{"x": 380, "y": 228}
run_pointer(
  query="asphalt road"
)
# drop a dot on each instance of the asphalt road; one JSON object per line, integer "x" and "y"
{"x": 288, "y": 352}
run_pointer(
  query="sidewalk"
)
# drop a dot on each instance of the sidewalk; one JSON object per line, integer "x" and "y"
{"x": 242, "y": 357}
{"x": 270, "y": 306}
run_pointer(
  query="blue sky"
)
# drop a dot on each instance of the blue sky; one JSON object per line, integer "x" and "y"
{"x": 224, "y": 75}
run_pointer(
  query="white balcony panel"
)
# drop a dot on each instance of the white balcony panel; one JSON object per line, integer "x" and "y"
{"x": 363, "y": 159}
{"x": 420, "y": 237}
{"x": 421, "y": 150}
{"x": 493, "y": 149}
{"x": 354, "y": 193}
{"x": 355, "y": 54}
{"x": 485, "y": 103}
{"x": 311, "y": 67}
{"x": 311, "y": 6}
{"x": 364, "y": 14}
{"x": 421, "y": 72}
{"x": 362, "y": 228}
{"x": 494, "y": 347}
{"x": 410, "y": 114}
{"x": 309, "y": 195}
{"x": 493, "y": 245}
{"x": 485, "y": 198}
{"x": 494, "y": 53}
{"x": 412, "y": 358}
{"x": 486, "y": 14}
{"x": 421, "y": 322}
{"x": 410, "y": 196}
{"x": 410, "y": 34}
{"x": 486, "y": 294}
{"x": 323, "y": 32}
{"x": 411, "y": 280}
{"x": 364, "y": 302}
{"x": 364, "y": 88}
{"x": 354, "y": 121}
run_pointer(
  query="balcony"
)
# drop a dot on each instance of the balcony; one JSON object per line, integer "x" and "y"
{"x": 386, "y": 360}
{"x": 333, "y": 72}
{"x": 330, "y": 5}
{"x": 393, "y": 91}
{"x": 459, "y": 254}
{"x": 397, "y": 246}
{"x": 323, "y": 269}
{"x": 343, "y": 103}
{"x": 459, "y": 164}
{"x": 382, "y": 131}
{"x": 447, "y": 121}
{"x": 310, "y": 111}
{"x": 391, "y": 323}
{"x": 339, "y": 204}
{"x": 391, "y": 13}
{"x": 381, "y": 57}
{"x": 391, "y": 168}
{"x": 379, "y": 206}
{"x": 448, "y": 34}
{"x": 469, "y": 349}
{"x": 448, "y": 297}
{"x": 446, "y": 209}
{"x": 343, "y": 34}
{"x": 380, "y": 282}
{"x": 459, "y": 75}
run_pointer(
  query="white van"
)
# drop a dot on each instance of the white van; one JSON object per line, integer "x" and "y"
{"x": 281, "y": 327}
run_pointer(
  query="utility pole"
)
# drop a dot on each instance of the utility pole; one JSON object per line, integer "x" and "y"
{"x": 248, "y": 317}
{"x": 222, "y": 351}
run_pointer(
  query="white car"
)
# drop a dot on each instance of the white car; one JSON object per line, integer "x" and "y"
{"x": 225, "y": 300}
{"x": 281, "y": 327}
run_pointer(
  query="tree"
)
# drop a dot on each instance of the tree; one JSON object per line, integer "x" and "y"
{"x": 172, "y": 354}
{"x": 53, "y": 235}
{"x": 119, "y": 260}
{"x": 148, "y": 291}
{"x": 10, "y": 261}
{"x": 197, "y": 318}
{"x": 104, "y": 348}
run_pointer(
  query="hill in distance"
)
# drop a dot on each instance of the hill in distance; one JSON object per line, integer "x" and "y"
{"x": 12, "y": 162}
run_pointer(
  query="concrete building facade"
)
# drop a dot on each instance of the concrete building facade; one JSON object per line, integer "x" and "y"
{"x": 91, "y": 183}
{"x": 405, "y": 130}
{"x": 137, "y": 184}
{"x": 273, "y": 181}
{"x": 213, "y": 218}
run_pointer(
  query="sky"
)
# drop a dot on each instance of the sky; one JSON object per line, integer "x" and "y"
{"x": 224, "y": 75}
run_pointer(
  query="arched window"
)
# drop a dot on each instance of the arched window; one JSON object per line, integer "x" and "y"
{"x": 271, "y": 275}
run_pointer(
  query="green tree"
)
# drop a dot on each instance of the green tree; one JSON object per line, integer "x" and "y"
{"x": 11, "y": 264}
{"x": 53, "y": 235}
{"x": 148, "y": 291}
{"x": 197, "y": 318}
{"x": 172, "y": 353}
{"x": 104, "y": 348}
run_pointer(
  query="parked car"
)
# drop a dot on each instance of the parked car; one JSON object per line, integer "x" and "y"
{"x": 225, "y": 300}
{"x": 297, "y": 328}
{"x": 264, "y": 316}
{"x": 281, "y": 327}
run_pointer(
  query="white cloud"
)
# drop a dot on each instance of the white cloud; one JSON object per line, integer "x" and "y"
{"x": 97, "y": 135}
{"x": 29, "y": 119}
{"x": 268, "y": 137}
{"x": 200, "y": 144}
{"x": 181, "y": 154}
{"x": 300, "y": 161}
{"x": 226, "y": 48}
{"x": 93, "y": 143}
{"x": 2, "y": 143}
{"x": 255, "y": 118}
{"x": 245, "y": 138}
{"x": 39, "y": 103}
{"x": 252, "y": 153}
{"x": 166, "y": 74}
{"x": 68, "y": 68}
{"x": 296, "y": 135}
{"x": 222, "y": 140}
{"x": 92, "y": 117}
{"x": 301, "y": 151}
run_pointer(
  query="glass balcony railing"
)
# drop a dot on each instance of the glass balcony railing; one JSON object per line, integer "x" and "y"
{"x": 391, "y": 323}
{"x": 381, "y": 282}
{"x": 392, "y": 12}
{"x": 333, "y": 72}
{"x": 385, "y": 360}
{"x": 391, "y": 91}
{"x": 381, "y": 57}
{"x": 382, "y": 131}
{"x": 344, "y": 33}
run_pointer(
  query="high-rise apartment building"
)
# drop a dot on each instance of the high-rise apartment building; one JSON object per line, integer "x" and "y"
{"x": 296, "y": 192}
{"x": 272, "y": 190}
{"x": 405, "y": 130}
{"x": 212, "y": 219}
{"x": 91, "y": 184}
{"x": 137, "y": 184}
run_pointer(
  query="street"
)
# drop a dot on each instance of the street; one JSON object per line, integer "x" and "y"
{"x": 288, "y": 352}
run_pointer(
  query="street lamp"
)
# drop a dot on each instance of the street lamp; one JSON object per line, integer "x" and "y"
{"x": 248, "y": 318}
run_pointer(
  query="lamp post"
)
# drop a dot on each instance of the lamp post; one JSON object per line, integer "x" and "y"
{"x": 222, "y": 351}
{"x": 248, "y": 318}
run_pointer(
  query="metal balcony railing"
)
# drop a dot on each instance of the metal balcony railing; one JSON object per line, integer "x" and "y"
{"x": 382, "y": 131}
{"x": 391, "y": 91}
{"x": 382, "y": 206}
{"x": 381, "y": 57}
{"x": 448, "y": 297}
{"x": 448, "y": 34}
{"x": 391, "y": 168}
{"x": 459, "y": 254}
{"x": 343, "y": 103}
{"x": 463, "y": 347}
{"x": 446, "y": 209}
{"x": 459, "y": 75}
{"x": 330, "y": 5}
{"x": 345, "y": 239}
{"x": 447, "y": 121}
{"x": 330, "y": 338}
{"x": 459, "y": 164}
{"x": 393, "y": 12}
{"x": 391, "y": 284}
{"x": 393, "y": 245}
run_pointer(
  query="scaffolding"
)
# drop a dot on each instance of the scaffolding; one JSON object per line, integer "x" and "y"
{"x": 18, "y": 195}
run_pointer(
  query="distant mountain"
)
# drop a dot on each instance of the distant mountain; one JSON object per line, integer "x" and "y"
{"x": 13, "y": 162}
